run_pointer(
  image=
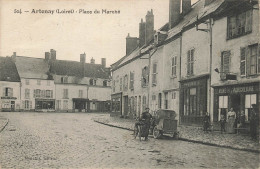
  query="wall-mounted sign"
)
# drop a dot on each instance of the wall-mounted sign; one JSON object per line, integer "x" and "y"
{"x": 237, "y": 89}
{"x": 7, "y": 97}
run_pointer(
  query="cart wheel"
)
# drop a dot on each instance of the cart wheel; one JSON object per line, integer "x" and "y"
{"x": 156, "y": 133}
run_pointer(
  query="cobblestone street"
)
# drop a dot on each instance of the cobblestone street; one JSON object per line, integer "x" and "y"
{"x": 73, "y": 140}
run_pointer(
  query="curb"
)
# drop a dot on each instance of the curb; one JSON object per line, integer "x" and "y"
{"x": 6, "y": 122}
{"x": 188, "y": 140}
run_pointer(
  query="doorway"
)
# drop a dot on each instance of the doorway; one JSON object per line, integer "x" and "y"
{"x": 235, "y": 102}
{"x": 12, "y": 105}
{"x": 125, "y": 105}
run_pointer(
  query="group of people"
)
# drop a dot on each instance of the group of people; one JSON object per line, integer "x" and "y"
{"x": 233, "y": 122}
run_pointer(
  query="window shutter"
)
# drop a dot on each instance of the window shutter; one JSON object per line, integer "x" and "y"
{"x": 242, "y": 61}
{"x": 225, "y": 61}
{"x": 188, "y": 62}
{"x": 34, "y": 93}
{"x": 249, "y": 21}
{"x": 51, "y": 94}
{"x": 30, "y": 104}
{"x": 247, "y": 54}
{"x": 23, "y": 104}
{"x": 42, "y": 93}
{"x": 258, "y": 57}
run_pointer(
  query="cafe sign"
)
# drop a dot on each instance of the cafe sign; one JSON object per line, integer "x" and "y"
{"x": 237, "y": 89}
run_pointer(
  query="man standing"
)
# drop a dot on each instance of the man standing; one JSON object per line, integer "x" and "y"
{"x": 254, "y": 122}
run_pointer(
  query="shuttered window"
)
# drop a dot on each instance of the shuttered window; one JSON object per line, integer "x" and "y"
{"x": 239, "y": 24}
{"x": 225, "y": 61}
{"x": 190, "y": 62}
{"x": 65, "y": 93}
{"x": 27, "y": 93}
{"x": 253, "y": 60}
{"x": 154, "y": 75}
{"x": 145, "y": 75}
{"x": 125, "y": 83}
{"x": 8, "y": 92}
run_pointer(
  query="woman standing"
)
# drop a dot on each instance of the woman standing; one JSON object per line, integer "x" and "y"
{"x": 231, "y": 118}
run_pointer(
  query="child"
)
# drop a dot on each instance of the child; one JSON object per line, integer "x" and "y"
{"x": 222, "y": 123}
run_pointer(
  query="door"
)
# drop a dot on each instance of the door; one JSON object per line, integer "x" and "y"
{"x": 235, "y": 102}
{"x": 12, "y": 105}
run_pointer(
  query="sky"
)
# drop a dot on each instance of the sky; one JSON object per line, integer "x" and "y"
{"x": 98, "y": 35}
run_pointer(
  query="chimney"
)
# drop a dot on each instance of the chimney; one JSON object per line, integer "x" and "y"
{"x": 92, "y": 61}
{"x": 207, "y": 2}
{"x": 149, "y": 26}
{"x": 47, "y": 56}
{"x": 14, "y": 56}
{"x": 83, "y": 58}
{"x": 131, "y": 44}
{"x": 103, "y": 62}
{"x": 174, "y": 12}
{"x": 186, "y": 6}
{"x": 141, "y": 33}
{"x": 53, "y": 54}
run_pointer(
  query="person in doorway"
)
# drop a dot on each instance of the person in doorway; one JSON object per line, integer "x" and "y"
{"x": 242, "y": 119}
{"x": 231, "y": 121}
{"x": 206, "y": 122}
{"x": 254, "y": 122}
{"x": 222, "y": 123}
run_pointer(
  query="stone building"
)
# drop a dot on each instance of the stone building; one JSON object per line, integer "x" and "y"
{"x": 9, "y": 85}
{"x": 236, "y": 59}
{"x": 80, "y": 86}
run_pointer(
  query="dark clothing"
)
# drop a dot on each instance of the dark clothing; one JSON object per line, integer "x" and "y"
{"x": 222, "y": 123}
{"x": 206, "y": 121}
{"x": 254, "y": 120}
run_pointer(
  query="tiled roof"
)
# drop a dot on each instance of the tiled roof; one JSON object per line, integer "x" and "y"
{"x": 8, "y": 71}
{"x": 73, "y": 68}
{"x": 29, "y": 67}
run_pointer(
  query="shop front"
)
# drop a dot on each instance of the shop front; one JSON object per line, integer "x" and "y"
{"x": 240, "y": 97}
{"x": 8, "y": 103}
{"x": 193, "y": 100}
{"x": 116, "y": 104}
{"x": 44, "y": 104}
{"x": 80, "y": 104}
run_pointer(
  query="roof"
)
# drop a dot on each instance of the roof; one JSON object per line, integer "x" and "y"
{"x": 73, "y": 68}
{"x": 8, "y": 71}
{"x": 29, "y": 67}
{"x": 198, "y": 10}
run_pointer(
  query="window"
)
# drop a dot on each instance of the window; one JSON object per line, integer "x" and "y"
{"x": 121, "y": 84}
{"x": 190, "y": 62}
{"x": 27, "y": 93}
{"x": 64, "y": 79}
{"x": 65, "y": 93}
{"x": 174, "y": 66}
{"x": 8, "y": 92}
{"x": 105, "y": 83}
{"x": 239, "y": 24}
{"x": 249, "y": 100}
{"x": 27, "y": 82}
{"x": 37, "y": 93}
{"x": 48, "y": 94}
{"x": 38, "y": 82}
{"x": 250, "y": 60}
{"x": 48, "y": 83}
{"x": 253, "y": 59}
{"x": 27, "y": 104}
{"x": 145, "y": 77}
{"x": 125, "y": 83}
{"x": 80, "y": 93}
{"x": 225, "y": 61}
{"x": 131, "y": 81}
{"x": 93, "y": 82}
{"x": 154, "y": 75}
{"x": 222, "y": 106}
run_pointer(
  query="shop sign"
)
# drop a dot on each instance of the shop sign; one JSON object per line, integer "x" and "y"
{"x": 238, "y": 89}
{"x": 7, "y": 97}
{"x": 194, "y": 83}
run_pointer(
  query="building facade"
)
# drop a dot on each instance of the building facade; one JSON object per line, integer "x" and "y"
{"x": 9, "y": 85}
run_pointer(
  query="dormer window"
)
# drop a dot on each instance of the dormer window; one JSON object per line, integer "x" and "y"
{"x": 93, "y": 82}
{"x": 64, "y": 79}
